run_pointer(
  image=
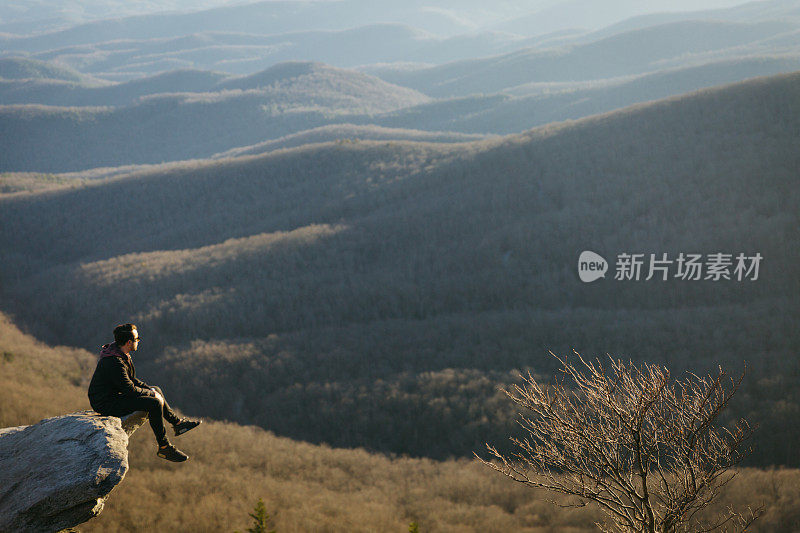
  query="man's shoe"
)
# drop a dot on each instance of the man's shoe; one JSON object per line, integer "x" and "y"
{"x": 171, "y": 453}
{"x": 184, "y": 425}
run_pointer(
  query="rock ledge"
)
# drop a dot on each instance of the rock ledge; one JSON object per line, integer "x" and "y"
{"x": 58, "y": 473}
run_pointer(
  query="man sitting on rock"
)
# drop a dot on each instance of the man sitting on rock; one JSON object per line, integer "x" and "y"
{"x": 115, "y": 391}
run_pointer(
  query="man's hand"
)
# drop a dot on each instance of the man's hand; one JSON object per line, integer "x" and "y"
{"x": 157, "y": 395}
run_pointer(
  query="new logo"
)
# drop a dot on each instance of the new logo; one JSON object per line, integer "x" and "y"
{"x": 591, "y": 266}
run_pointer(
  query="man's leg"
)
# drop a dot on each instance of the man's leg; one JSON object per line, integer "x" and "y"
{"x": 126, "y": 405}
{"x": 168, "y": 413}
{"x": 155, "y": 408}
{"x": 180, "y": 425}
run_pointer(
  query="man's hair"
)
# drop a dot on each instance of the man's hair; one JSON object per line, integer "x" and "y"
{"x": 124, "y": 333}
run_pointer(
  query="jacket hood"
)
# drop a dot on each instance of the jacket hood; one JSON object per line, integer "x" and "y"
{"x": 112, "y": 350}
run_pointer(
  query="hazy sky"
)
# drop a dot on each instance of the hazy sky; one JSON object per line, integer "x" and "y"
{"x": 83, "y": 10}
{"x": 442, "y": 17}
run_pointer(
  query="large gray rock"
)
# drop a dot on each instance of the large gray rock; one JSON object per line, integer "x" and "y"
{"x": 58, "y": 473}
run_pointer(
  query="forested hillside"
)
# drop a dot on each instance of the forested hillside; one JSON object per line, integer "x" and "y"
{"x": 349, "y": 133}
{"x": 55, "y": 92}
{"x": 16, "y": 68}
{"x": 305, "y": 487}
{"x": 376, "y": 293}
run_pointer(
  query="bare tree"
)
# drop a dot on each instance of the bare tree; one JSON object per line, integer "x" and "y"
{"x": 647, "y": 449}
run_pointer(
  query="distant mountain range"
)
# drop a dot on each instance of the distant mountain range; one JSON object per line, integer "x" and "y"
{"x": 635, "y": 52}
{"x": 241, "y": 111}
{"x": 174, "y": 86}
{"x": 623, "y": 15}
{"x": 73, "y": 20}
{"x": 96, "y": 96}
{"x": 196, "y": 114}
{"x": 518, "y": 108}
{"x": 247, "y": 38}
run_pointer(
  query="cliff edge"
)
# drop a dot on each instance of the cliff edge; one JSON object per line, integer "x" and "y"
{"x": 58, "y": 473}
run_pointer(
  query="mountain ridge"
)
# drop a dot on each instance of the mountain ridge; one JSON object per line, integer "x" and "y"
{"x": 632, "y": 52}
{"x": 164, "y": 127}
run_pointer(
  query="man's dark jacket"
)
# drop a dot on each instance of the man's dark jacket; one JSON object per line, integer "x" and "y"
{"x": 114, "y": 376}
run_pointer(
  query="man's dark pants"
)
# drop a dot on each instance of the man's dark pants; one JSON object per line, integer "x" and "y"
{"x": 156, "y": 412}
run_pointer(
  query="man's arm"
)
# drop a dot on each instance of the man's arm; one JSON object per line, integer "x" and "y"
{"x": 139, "y": 383}
{"x": 136, "y": 381}
{"x": 118, "y": 376}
